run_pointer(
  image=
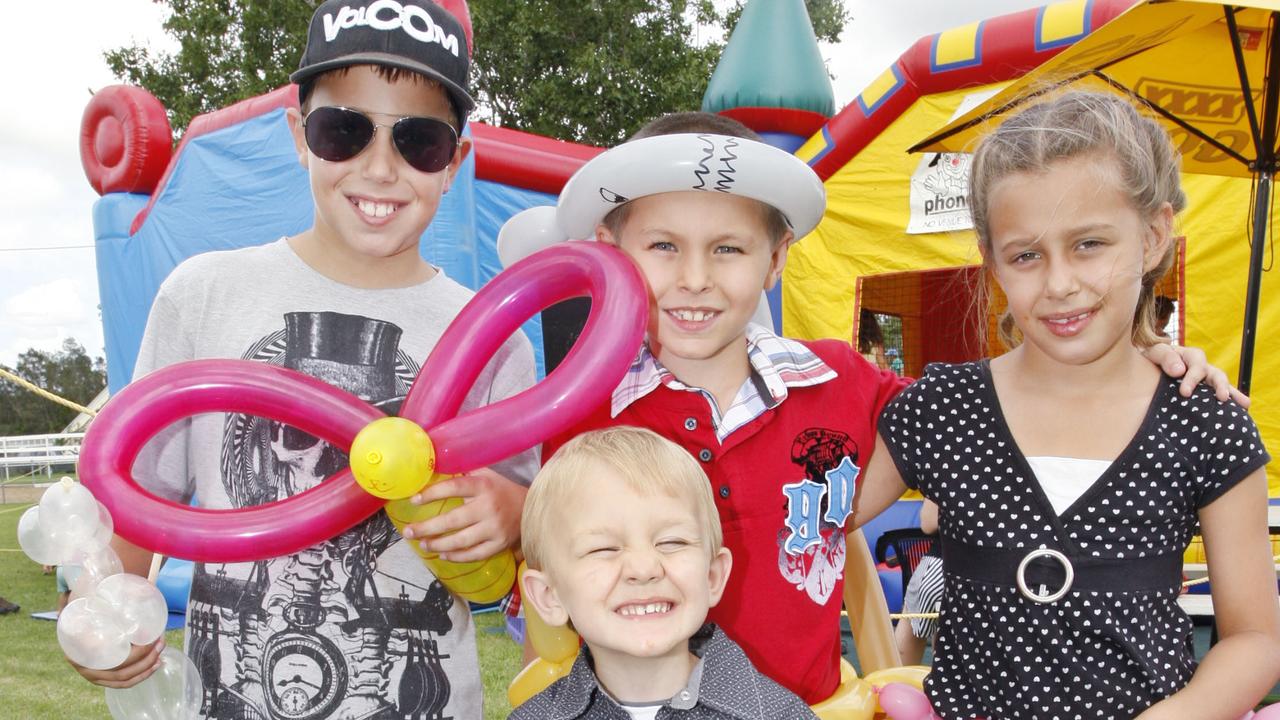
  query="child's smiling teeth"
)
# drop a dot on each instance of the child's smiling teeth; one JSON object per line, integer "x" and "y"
{"x": 692, "y": 315}
{"x": 375, "y": 209}
{"x": 1073, "y": 318}
{"x": 649, "y": 609}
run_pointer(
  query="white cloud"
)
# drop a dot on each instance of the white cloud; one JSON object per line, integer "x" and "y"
{"x": 42, "y": 316}
{"x": 55, "y": 303}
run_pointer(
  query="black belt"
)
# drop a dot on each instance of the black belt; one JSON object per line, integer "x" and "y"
{"x": 1048, "y": 574}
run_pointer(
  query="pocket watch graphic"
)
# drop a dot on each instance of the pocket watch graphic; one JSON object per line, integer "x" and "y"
{"x": 306, "y": 673}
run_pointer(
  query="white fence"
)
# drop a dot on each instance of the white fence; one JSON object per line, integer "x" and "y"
{"x": 26, "y": 459}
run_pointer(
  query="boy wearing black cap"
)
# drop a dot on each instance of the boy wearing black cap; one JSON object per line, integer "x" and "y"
{"x": 356, "y": 627}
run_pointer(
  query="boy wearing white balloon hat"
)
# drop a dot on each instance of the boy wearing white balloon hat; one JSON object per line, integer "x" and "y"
{"x": 356, "y": 626}
{"x": 782, "y": 427}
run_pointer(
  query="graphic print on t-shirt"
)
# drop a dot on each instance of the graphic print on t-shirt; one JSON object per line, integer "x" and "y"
{"x": 811, "y": 547}
{"x": 327, "y": 632}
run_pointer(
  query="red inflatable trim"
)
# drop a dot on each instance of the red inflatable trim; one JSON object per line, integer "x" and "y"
{"x": 778, "y": 120}
{"x": 525, "y": 160}
{"x": 125, "y": 140}
{"x": 1008, "y": 51}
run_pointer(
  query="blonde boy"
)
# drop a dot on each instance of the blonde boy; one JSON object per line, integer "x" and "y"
{"x": 622, "y": 538}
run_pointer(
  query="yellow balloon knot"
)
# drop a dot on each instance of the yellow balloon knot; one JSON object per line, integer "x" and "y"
{"x": 392, "y": 458}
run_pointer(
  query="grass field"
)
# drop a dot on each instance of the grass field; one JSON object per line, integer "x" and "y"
{"x": 37, "y": 684}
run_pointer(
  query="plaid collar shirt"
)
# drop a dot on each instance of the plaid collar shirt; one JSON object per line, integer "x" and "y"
{"x": 724, "y": 686}
{"x": 777, "y": 363}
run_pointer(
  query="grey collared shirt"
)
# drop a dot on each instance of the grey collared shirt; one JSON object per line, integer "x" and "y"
{"x": 723, "y": 686}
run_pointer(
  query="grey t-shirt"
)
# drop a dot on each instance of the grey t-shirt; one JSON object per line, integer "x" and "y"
{"x": 357, "y": 626}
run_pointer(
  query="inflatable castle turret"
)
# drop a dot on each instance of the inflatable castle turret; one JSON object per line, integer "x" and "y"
{"x": 771, "y": 76}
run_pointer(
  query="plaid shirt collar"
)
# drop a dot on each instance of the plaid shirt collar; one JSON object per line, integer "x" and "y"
{"x": 777, "y": 363}
{"x": 720, "y": 659}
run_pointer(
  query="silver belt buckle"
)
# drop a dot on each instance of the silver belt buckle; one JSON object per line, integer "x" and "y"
{"x": 1043, "y": 596}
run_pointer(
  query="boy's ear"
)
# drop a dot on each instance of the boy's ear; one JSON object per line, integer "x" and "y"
{"x": 778, "y": 260}
{"x": 459, "y": 156}
{"x": 1159, "y": 235}
{"x": 540, "y": 594}
{"x": 605, "y": 235}
{"x": 718, "y": 575}
{"x": 294, "y": 117}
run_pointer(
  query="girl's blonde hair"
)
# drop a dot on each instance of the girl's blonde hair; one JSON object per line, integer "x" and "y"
{"x": 647, "y": 462}
{"x": 1068, "y": 126}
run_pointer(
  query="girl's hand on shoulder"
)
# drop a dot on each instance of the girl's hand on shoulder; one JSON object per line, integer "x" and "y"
{"x": 1192, "y": 365}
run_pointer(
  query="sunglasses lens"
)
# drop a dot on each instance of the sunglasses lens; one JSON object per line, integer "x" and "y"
{"x": 426, "y": 144}
{"x": 337, "y": 134}
{"x": 293, "y": 438}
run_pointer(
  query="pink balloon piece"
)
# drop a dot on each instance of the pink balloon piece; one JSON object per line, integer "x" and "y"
{"x": 615, "y": 327}
{"x": 1270, "y": 712}
{"x": 904, "y": 702}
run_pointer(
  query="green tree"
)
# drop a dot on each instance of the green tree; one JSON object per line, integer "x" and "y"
{"x": 69, "y": 373}
{"x": 228, "y": 50}
{"x": 590, "y": 71}
{"x": 582, "y": 70}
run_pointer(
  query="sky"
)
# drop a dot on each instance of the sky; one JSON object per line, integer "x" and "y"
{"x": 48, "y": 280}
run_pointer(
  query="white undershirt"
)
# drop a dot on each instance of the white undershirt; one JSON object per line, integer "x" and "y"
{"x": 1064, "y": 480}
{"x": 642, "y": 712}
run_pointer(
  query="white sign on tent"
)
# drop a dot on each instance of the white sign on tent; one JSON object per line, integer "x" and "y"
{"x": 940, "y": 185}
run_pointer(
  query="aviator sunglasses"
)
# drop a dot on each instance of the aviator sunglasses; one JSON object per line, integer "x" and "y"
{"x": 337, "y": 134}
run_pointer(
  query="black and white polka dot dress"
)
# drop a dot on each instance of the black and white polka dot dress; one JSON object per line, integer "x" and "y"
{"x": 1117, "y": 641}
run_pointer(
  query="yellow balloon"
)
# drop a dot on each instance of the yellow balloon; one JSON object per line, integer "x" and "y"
{"x": 556, "y": 643}
{"x": 480, "y": 581}
{"x": 392, "y": 458}
{"x": 912, "y": 675}
{"x": 534, "y": 678}
{"x": 486, "y": 581}
{"x": 854, "y": 699}
{"x": 402, "y": 512}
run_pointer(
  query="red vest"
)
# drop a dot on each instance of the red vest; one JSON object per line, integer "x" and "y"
{"x": 783, "y": 484}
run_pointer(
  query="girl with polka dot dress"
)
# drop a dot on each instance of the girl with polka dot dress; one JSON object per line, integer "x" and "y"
{"x": 1070, "y": 473}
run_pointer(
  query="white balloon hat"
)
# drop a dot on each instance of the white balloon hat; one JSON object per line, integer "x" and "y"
{"x": 110, "y": 610}
{"x": 668, "y": 163}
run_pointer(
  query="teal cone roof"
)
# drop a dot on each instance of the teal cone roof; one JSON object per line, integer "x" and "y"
{"x": 771, "y": 60}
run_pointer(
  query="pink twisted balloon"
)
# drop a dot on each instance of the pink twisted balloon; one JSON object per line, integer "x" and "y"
{"x": 593, "y": 367}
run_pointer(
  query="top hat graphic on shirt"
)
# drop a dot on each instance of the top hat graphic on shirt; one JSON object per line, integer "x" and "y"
{"x": 354, "y": 353}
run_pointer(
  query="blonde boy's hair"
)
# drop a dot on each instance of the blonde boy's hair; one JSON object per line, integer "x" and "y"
{"x": 647, "y": 462}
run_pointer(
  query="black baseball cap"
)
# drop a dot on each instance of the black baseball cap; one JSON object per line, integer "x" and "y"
{"x": 415, "y": 35}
